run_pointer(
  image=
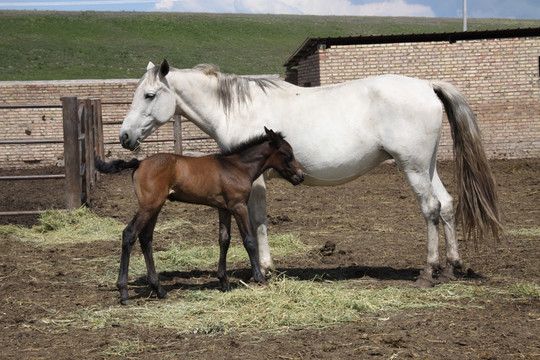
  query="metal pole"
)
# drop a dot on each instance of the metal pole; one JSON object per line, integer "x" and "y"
{"x": 464, "y": 15}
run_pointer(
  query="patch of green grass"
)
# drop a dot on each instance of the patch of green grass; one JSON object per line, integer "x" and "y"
{"x": 87, "y": 45}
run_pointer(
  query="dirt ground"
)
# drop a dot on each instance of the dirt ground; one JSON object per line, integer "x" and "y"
{"x": 379, "y": 235}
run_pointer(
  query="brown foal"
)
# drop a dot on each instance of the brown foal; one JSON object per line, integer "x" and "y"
{"x": 221, "y": 181}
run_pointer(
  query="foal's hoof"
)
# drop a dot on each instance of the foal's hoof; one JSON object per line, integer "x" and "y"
{"x": 162, "y": 294}
{"x": 125, "y": 302}
{"x": 261, "y": 281}
{"x": 225, "y": 286}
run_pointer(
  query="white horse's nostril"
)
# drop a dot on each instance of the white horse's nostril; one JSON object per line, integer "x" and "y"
{"x": 124, "y": 140}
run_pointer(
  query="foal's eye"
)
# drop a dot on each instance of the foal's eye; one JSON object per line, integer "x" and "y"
{"x": 149, "y": 96}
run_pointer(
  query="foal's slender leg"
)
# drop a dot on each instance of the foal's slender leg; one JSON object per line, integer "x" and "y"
{"x": 129, "y": 236}
{"x": 259, "y": 223}
{"x": 240, "y": 213}
{"x": 420, "y": 183}
{"x": 453, "y": 260}
{"x": 224, "y": 241}
{"x": 146, "y": 238}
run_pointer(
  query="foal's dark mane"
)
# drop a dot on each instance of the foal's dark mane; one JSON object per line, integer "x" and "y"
{"x": 256, "y": 140}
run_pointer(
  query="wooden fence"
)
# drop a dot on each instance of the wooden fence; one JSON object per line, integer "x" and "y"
{"x": 83, "y": 141}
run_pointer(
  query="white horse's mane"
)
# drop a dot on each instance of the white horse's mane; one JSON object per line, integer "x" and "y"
{"x": 236, "y": 89}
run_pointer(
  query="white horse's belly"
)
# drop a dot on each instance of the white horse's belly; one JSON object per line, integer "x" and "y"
{"x": 341, "y": 169}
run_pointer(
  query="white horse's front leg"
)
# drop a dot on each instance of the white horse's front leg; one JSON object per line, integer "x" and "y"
{"x": 259, "y": 223}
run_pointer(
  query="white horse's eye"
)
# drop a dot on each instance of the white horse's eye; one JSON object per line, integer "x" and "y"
{"x": 149, "y": 96}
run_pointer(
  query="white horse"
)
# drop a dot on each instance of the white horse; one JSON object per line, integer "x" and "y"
{"x": 338, "y": 132}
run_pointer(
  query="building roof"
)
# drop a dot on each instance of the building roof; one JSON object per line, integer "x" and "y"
{"x": 310, "y": 45}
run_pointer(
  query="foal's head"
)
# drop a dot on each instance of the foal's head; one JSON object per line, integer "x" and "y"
{"x": 282, "y": 160}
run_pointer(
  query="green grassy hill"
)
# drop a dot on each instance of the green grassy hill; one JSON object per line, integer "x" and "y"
{"x": 95, "y": 45}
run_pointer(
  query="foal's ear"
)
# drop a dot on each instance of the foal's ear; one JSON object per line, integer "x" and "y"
{"x": 164, "y": 68}
{"x": 275, "y": 140}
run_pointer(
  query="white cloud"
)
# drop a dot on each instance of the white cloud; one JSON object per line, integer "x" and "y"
{"x": 203, "y": 6}
{"x": 301, "y": 7}
{"x": 165, "y": 5}
{"x": 338, "y": 7}
{"x": 266, "y": 7}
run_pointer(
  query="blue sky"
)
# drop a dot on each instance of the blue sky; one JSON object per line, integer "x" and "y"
{"x": 519, "y": 9}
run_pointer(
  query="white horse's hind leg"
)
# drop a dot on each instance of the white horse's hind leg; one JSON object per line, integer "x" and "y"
{"x": 259, "y": 222}
{"x": 430, "y": 205}
{"x": 453, "y": 260}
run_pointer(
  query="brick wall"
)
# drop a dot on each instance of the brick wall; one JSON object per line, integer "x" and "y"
{"x": 499, "y": 77}
{"x": 46, "y": 123}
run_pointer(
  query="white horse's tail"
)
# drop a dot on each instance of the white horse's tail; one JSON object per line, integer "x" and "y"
{"x": 478, "y": 207}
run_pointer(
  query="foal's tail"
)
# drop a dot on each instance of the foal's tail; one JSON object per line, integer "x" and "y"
{"x": 116, "y": 166}
{"x": 478, "y": 207}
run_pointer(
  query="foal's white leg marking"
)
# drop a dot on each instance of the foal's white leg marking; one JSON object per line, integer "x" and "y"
{"x": 259, "y": 223}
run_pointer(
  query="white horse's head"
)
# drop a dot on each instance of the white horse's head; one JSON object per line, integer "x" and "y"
{"x": 153, "y": 104}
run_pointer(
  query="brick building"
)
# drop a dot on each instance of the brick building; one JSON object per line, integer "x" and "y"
{"x": 498, "y": 71}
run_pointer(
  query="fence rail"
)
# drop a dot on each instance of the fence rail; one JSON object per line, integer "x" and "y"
{"x": 19, "y": 213}
{"x": 31, "y": 106}
{"x": 33, "y": 177}
{"x": 31, "y": 141}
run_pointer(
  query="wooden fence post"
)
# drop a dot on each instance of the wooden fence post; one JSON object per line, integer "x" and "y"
{"x": 98, "y": 129}
{"x": 73, "y": 185}
{"x": 86, "y": 148}
{"x": 98, "y": 149}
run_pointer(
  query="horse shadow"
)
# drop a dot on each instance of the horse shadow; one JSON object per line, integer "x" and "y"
{"x": 194, "y": 280}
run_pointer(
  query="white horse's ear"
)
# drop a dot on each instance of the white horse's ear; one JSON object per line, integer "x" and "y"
{"x": 164, "y": 68}
{"x": 150, "y": 66}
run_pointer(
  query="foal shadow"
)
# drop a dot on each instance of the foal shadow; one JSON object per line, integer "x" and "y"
{"x": 206, "y": 280}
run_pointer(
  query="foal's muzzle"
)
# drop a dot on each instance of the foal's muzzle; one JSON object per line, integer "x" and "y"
{"x": 297, "y": 178}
